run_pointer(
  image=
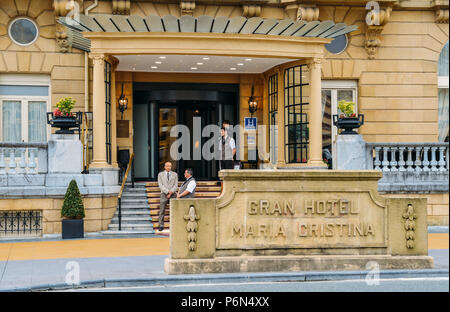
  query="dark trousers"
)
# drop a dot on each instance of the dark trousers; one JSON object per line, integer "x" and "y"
{"x": 162, "y": 207}
{"x": 226, "y": 164}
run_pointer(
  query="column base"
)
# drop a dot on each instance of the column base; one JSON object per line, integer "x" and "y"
{"x": 317, "y": 164}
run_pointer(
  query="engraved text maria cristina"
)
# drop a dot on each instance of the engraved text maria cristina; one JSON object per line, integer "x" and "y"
{"x": 306, "y": 218}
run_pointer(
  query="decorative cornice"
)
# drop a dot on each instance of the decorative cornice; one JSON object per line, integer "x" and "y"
{"x": 121, "y": 7}
{"x": 251, "y": 10}
{"x": 187, "y": 7}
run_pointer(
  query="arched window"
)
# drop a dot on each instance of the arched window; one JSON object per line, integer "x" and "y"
{"x": 443, "y": 94}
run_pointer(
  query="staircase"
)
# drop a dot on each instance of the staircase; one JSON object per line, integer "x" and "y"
{"x": 205, "y": 189}
{"x": 135, "y": 212}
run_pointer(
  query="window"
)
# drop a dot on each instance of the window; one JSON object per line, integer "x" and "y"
{"x": 443, "y": 94}
{"x": 108, "y": 110}
{"x": 337, "y": 45}
{"x": 334, "y": 91}
{"x": 273, "y": 120}
{"x": 23, "y": 31}
{"x": 296, "y": 98}
{"x": 23, "y": 107}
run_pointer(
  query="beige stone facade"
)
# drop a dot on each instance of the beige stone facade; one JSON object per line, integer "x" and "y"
{"x": 394, "y": 65}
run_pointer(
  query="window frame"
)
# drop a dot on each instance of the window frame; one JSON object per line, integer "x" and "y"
{"x": 35, "y": 25}
{"x": 25, "y": 80}
{"x": 272, "y": 89}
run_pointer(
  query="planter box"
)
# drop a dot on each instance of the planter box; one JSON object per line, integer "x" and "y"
{"x": 72, "y": 228}
{"x": 64, "y": 123}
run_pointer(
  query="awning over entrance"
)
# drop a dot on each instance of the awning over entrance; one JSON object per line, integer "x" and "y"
{"x": 206, "y": 24}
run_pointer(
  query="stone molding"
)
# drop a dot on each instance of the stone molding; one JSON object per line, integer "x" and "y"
{"x": 314, "y": 63}
{"x": 96, "y": 57}
{"x": 121, "y": 7}
{"x": 187, "y": 7}
{"x": 442, "y": 16}
{"x": 251, "y": 10}
{"x": 308, "y": 13}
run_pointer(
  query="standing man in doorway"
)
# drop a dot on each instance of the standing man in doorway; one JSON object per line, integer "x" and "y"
{"x": 227, "y": 150}
{"x": 168, "y": 184}
{"x": 187, "y": 189}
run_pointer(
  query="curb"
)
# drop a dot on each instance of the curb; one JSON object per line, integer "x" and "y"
{"x": 233, "y": 278}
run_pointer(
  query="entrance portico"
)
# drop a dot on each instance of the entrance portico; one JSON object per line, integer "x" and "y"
{"x": 288, "y": 43}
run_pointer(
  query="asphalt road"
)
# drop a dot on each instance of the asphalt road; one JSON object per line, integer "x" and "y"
{"x": 432, "y": 284}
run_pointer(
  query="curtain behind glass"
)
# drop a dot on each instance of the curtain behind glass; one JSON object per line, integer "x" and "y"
{"x": 443, "y": 61}
{"x": 12, "y": 121}
{"x": 37, "y": 121}
{"x": 443, "y": 114}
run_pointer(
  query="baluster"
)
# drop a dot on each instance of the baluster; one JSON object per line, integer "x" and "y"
{"x": 409, "y": 161}
{"x": 441, "y": 159}
{"x": 385, "y": 162}
{"x": 446, "y": 158}
{"x": 425, "y": 161}
{"x": 22, "y": 163}
{"x": 2, "y": 161}
{"x": 31, "y": 162}
{"x": 418, "y": 162}
{"x": 12, "y": 161}
{"x": 377, "y": 161}
{"x": 401, "y": 162}
{"x": 394, "y": 159}
{"x": 433, "y": 161}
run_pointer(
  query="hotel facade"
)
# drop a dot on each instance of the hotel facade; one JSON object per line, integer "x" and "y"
{"x": 138, "y": 68}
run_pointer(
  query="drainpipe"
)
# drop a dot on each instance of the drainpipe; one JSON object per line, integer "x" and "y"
{"x": 86, "y": 64}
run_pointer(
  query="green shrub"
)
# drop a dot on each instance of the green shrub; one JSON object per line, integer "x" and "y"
{"x": 65, "y": 105}
{"x": 346, "y": 107}
{"x": 73, "y": 207}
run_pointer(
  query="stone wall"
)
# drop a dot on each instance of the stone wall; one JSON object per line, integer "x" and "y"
{"x": 99, "y": 211}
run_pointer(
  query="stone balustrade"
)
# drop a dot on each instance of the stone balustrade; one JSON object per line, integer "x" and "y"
{"x": 23, "y": 158}
{"x": 408, "y": 157}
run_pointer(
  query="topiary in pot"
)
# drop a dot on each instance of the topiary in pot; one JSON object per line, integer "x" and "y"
{"x": 73, "y": 212}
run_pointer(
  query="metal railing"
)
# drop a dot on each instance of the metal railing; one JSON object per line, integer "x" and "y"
{"x": 413, "y": 157}
{"x": 20, "y": 223}
{"x": 23, "y": 158}
{"x": 119, "y": 197}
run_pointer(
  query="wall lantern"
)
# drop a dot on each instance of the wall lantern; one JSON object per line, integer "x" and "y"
{"x": 252, "y": 103}
{"x": 123, "y": 102}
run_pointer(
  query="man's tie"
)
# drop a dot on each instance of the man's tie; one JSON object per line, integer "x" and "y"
{"x": 168, "y": 177}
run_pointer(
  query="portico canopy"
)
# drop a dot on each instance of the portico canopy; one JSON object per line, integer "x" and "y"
{"x": 202, "y": 24}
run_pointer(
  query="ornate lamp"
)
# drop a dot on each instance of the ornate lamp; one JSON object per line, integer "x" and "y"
{"x": 123, "y": 102}
{"x": 252, "y": 103}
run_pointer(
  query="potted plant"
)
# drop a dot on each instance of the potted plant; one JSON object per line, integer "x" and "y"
{"x": 63, "y": 118}
{"x": 347, "y": 120}
{"x": 72, "y": 213}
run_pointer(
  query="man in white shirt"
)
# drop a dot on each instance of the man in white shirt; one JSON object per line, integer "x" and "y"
{"x": 227, "y": 150}
{"x": 168, "y": 184}
{"x": 187, "y": 189}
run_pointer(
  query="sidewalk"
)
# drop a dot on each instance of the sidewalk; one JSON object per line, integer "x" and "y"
{"x": 35, "y": 264}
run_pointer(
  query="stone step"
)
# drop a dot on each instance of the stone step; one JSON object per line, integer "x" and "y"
{"x": 198, "y": 189}
{"x": 197, "y": 194}
{"x": 134, "y": 206}
{"x": 127, "y": 232}
{"x": 130, "y": 201}
{"x": 199, "y": 183}
{"x": 131, "y": 220}
{"x": 132, "y": 226}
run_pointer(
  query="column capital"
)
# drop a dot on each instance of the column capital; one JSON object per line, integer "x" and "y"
{"x": 314, "y": 63}
{"x": 97, "y": 56}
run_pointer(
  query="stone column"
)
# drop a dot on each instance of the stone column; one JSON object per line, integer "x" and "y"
{"x": 114, "y": 63}
{"x": 315, "y": 114}
{"x": 281, "y": 161}
{"x": 99, "y": 112}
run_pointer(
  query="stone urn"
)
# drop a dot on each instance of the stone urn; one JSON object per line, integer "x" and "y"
{"x": 347, "y": 124}
{"x": 66, "y": 124}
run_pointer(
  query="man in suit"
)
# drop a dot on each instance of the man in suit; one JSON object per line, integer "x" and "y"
{"x": 168, "y": 184}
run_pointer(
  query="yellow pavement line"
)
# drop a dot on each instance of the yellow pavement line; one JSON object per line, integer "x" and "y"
{"x": 438, "y": 241}
{"x": 91, "y": 248}
{"x": 121, "y": 247}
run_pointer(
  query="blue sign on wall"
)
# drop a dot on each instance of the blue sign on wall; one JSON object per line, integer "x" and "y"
{"x": 250, "y": 123}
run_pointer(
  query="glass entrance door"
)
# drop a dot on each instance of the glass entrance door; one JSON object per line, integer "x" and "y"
{"x": 195, "y": 115}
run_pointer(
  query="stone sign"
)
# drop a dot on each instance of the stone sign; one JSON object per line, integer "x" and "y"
{"x": 270, "y": 220}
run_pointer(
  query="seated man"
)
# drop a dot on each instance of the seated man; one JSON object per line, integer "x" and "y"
{"x": 187, "y": 189}
{"x": 168, "y": 184}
